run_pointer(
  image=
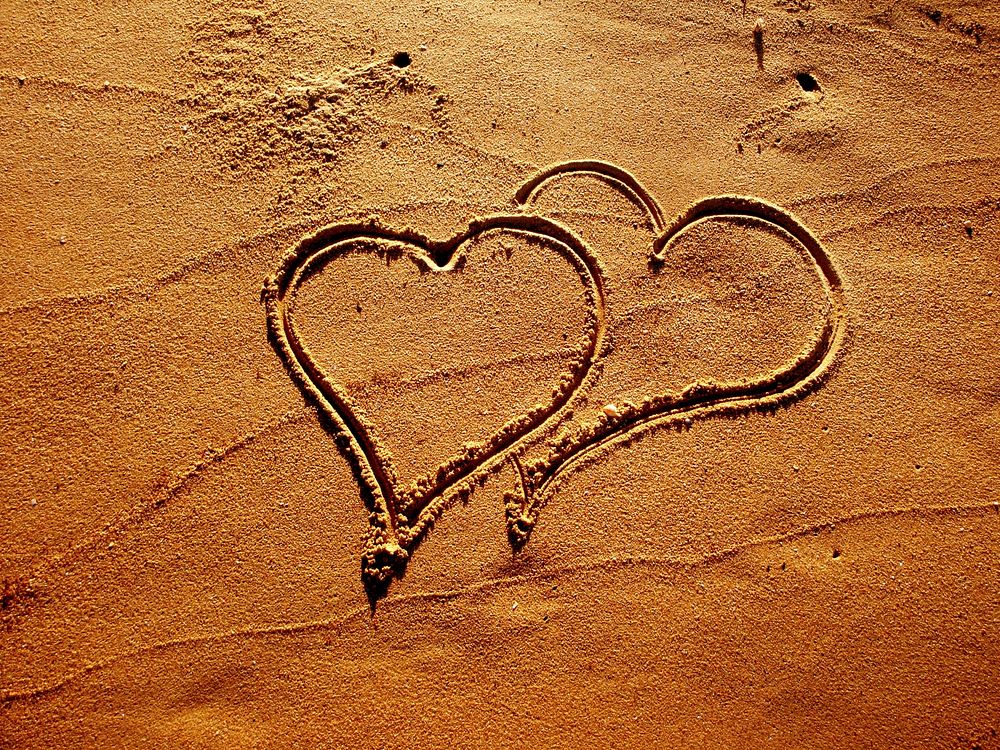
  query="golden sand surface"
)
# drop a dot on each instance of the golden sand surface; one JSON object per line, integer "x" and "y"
{"x": 463, "y": 374}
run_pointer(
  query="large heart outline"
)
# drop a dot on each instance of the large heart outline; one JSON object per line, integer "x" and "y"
{"x": 398, "y": 520}
{"x": 808, "y": 371}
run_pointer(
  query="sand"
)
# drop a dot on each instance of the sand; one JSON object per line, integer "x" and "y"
{"x": 500, "y": 375}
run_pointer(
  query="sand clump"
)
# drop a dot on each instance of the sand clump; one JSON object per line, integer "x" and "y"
{"x": 258, "y": 117}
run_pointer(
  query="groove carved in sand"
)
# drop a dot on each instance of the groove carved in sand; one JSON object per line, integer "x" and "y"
{"x": 545, "y": 573}
{"x": 399, "y": 517}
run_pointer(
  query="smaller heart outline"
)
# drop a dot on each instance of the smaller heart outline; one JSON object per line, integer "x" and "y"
{"x": 399, "y": 520}
{"x": 700, "y": 400}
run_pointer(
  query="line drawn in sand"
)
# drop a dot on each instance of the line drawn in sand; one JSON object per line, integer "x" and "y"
{"x": 400, "y": 517}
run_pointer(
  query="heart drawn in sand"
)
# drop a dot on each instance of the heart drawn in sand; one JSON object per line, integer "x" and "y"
{"x": 400, "y": 514}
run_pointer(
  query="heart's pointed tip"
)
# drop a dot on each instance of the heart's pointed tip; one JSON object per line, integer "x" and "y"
{"x": 519, "y": 531}
{"x": 658, "y": 255}
{"x": 382, "y": 562}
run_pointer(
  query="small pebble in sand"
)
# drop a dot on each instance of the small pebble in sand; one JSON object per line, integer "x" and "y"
{"x": 610, "y": 410}
{"x": 688, "y": 421}
{"x": 62, "y": 240}
{"x": 513, "y": 606}
{"x": 423, "y": 47}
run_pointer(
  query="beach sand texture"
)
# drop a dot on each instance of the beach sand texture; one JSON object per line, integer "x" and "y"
{"x": 500, "y": 374}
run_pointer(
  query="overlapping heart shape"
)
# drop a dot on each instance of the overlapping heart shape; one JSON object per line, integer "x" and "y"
{"x": 700, "y": 399}
{"x": 399, "y": 517}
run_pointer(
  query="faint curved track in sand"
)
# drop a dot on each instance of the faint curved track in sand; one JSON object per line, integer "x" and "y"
{"x": 699, "y": 400}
